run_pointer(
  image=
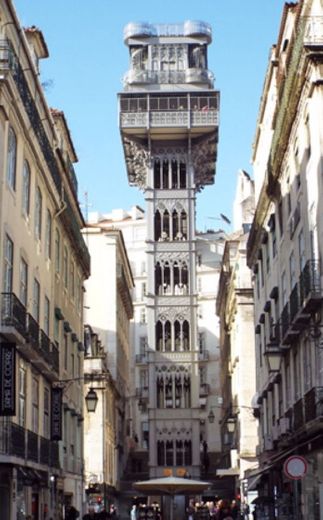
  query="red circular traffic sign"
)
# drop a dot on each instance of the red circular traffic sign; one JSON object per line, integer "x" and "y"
{"x": 295, "y": 467}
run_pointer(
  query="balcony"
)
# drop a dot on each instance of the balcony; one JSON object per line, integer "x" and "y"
{"x": 165, "y": 119}
{"x": 298, "y": 415}
{"x": 310, "y": 287}
{"x": 13, "y": 318}
{"x": 289, "y": 334}
{"x": 204, "y": 355}
{"x": 142, "y": 359}
{"x": 32, "y": 331}
{"x": 313, "y": 36}
{"x": 204, "y": 389}
{"x": 142, "y": 392}
{"x": 313, "y": 404}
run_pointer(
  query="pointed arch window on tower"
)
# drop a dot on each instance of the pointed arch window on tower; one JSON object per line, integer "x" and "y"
{"x": 175, "y": 225}
{"x": 182, "y": 175}
{"x": 161, "y": 453}
{"x": 187, "y": 453}
{"x": 169, "y": 453}
{"x": 167, "y": 337}
{"x": 157, "y": 225}
{"x": 159, "y": 336}
{"x": 165, "y": 185}
{"x": 186, "y": 335}
{"x": 157, "y": 174}
{"x": 183, "y": 225}
{"x": 158, "y": 279}
{"x": 179, "y": 453}
{"x": 175, "y": 179}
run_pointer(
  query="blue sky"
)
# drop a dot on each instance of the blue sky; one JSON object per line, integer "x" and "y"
{"x": 88, "y": 60}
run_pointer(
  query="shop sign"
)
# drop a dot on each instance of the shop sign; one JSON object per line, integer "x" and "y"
{"x": 295, "y": 467}
{"x": 7, "y": 379}
{"x": 56, "y": 414}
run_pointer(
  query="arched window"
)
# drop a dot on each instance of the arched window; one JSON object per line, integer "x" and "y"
{"x": 157, "y": 225}
{"x": 184, "y": 278}
{"x": 159, "y": 336}
{"x": 175, "y": 226}
{"x": 187, "y": 453}
{"x": 179, "y": 453}
{"x": 165, "y": 185}
{"x": 187, "y": 391}
{"x": 166, "y": 224}
{"x": 174, "y": 167}
{"x": 157, "y": 177}
{"x": 167, "y": 337}
{"x": 169, "y": 453}
{"x": 186, "y": 335}
{"x": 178, "y": 336}
{"x": 158, "y": 279}
{"x": 176, "y": 278}
{"x": 183, "y": 226}
{"x": 169, "y": 392}
{"x": 160, "y": 392}
{"x": 182, "y": 175}
{"x": 178, "y": 391}
{"x": 160, "y": 453}
{"x": 167, "y": 284}
{"x": 25, "y": 202}
{"x": 12, "y": 159}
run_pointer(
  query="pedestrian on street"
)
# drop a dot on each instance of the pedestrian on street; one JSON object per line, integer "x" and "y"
{"x": 71, "y": 513}
{"x": 90, "y": 515}
{"x": 103, "y": 515}
{"x": 134, "y": 512}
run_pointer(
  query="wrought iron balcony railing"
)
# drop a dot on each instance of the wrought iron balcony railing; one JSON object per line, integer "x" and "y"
{"x": 32, "y": 331}
{"x": 310, "y": 285}
{"x": 313, "y": 403}
{"x": 13, "y": 313}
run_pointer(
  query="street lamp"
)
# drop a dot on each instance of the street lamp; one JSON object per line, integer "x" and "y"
{"x": 211, "y": 417}
{"x": 231, "y": 424}
{"x": 273, "y": 356}
{"x": 91, "y": 400}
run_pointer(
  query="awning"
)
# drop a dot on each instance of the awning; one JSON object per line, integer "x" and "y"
{"x": 228, "y": 472}
{"x": 253, "y": 482}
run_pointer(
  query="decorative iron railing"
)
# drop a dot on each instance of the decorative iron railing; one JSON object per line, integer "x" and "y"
{"x": 13, "y": 313}
{"x": 32, "y": 331}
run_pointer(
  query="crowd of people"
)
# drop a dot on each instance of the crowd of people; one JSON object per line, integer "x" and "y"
{"x": 72, "y": 514}
{"x": 221, "y": 509}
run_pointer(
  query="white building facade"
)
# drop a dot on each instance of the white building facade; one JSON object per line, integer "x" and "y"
{"x": 285, "y": 253}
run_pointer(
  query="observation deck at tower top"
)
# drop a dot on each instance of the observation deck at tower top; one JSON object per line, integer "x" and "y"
{"x": 168, "y": 96}
{"x": 188, "y": 28}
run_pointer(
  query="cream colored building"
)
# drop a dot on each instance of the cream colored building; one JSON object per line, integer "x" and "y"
{"x": 209, "y": 246}
{"x": 108, "y": 308}
{"x": 285, "y": 253}
{"x": 44, "y": 262}
{"x": 235, "y": 308}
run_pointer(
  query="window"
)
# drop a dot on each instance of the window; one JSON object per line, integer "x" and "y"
{"x": 143, "y": 315}
{"x": 288, "y": 197}
{"x": 12, "y": 159}
{"x": 8, "y": 265}
{"x": 56, "y": 328}
{"x": 36, "y": 300}
{"x": 65, "y": 351}
{"x": 143, "y": 290}
{"x": 65, "y": 267}
{"x": 26, "y": 189}
{"x": 143, "y": 345}
{"x": 46, "y": 413}
{"x": 201, "y": 340}
{"x": 307, "y": 365}
{"x": 48, "y": 235}
{"x": 46, "y": 315}
{"x": 35, "y": 405}
{"x": 145, "y": 435}
{"x": 72, "y": 364}
{"x": 292, "y": 270}
{"x": 23, "y": 282}
{"x": 22, "y": 396}
{"x": 38, "y": 213}
{"x": 283, "y": 289}
{"x": 57, "y": 251}
{"x": 72, "y": 280}
{"x": 301, "y": 250}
